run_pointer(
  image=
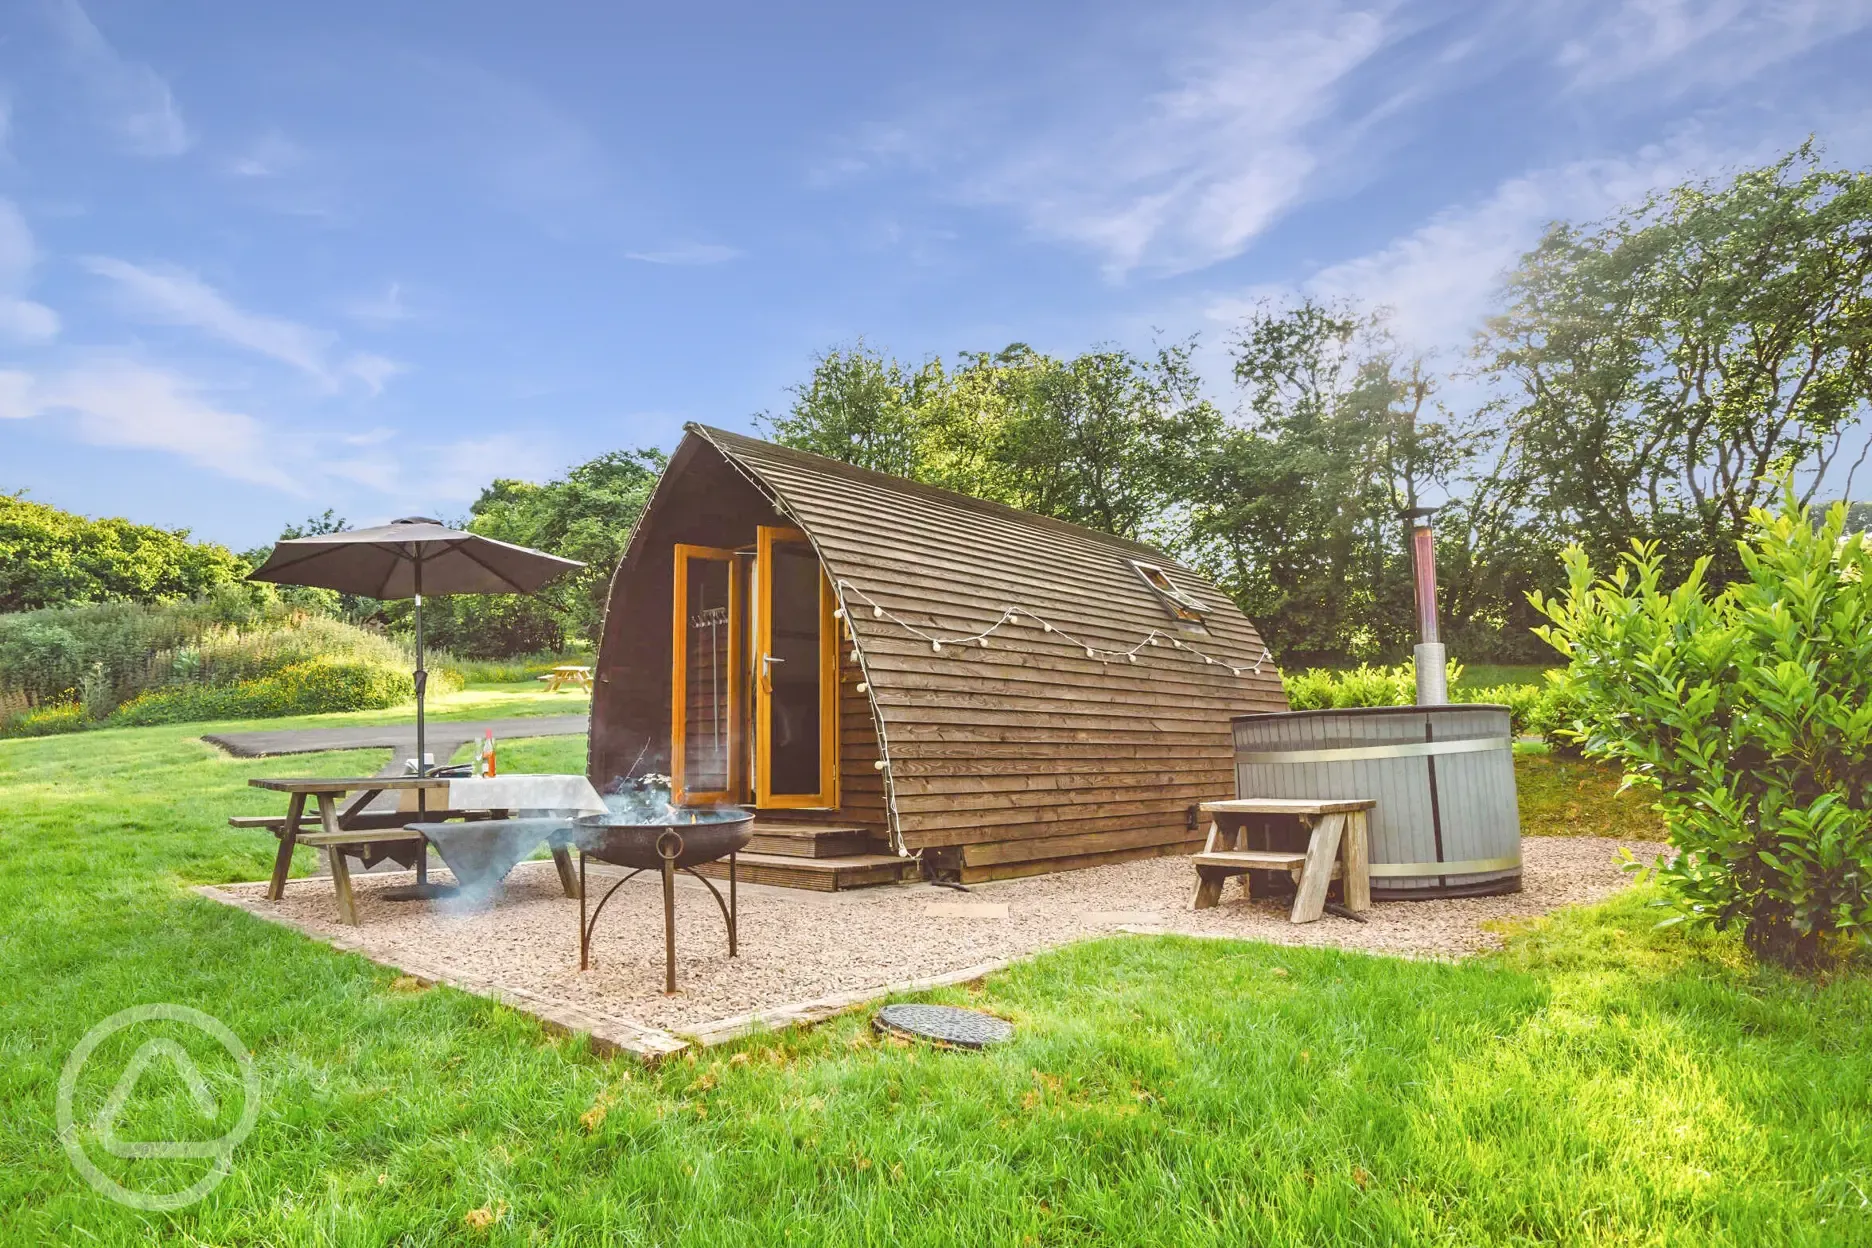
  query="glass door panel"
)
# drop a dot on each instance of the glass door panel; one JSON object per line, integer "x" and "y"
{"x": 796, "y": 673}
{"x": 706, "y": 684}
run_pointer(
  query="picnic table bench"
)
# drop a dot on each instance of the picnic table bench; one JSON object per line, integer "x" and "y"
{"x": 1334, "y": 833}
{"x": 353, "y": 829}
{"x": 568, "y": 674}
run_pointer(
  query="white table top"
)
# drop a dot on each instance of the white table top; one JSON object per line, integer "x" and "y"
{"x": 573, "y": 794}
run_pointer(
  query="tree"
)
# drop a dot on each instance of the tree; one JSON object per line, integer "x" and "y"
{"x": 316, "y": 526}
{"x": 861, "y": 408}
{"x": 1106, "y": 439}
{"x": 50, "y": 557}
{"x": 587, "y": 514}
{"x": 1665, "y": 365}
{"x": 1302, "y": 516}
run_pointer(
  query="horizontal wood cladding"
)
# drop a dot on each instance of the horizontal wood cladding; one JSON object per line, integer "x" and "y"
{"x": 1026, "y": 754}
{"x": 1074, "y": 862}
{"x": 1037, "y": 848}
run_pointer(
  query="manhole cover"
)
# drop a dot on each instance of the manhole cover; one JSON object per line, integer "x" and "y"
{"x": 945, "y": 1024}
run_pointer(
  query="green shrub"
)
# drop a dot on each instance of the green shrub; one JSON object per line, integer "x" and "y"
{"x": 1555, "y": 716}
{"x": 302, "y": 689}
{"x": 1319, "y": 688}
{"x": 45, "y": 721}
{"x": 40, "y": 659}
{"x": 1522, "y": 701}
{"x": 115, "y": 652}
{"x": 1747, "y": 711}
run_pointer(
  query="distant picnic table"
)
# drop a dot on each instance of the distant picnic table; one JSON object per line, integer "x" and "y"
{"x": 568, "y": 674}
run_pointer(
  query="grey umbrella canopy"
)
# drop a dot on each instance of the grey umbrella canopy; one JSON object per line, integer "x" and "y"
{"x": 409, "y": 557}
{"x": 406, "y": 559}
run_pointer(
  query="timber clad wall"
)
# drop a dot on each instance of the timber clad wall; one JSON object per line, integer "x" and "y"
{"x": 1024, "y": 755}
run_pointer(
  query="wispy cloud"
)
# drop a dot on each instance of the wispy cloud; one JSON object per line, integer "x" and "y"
{"x": 117, "y": 401}
{"x": 686, "y": 253}
{"x": 20, "y": 318}
{"x": 387, "y": 308}
{"x": 1680, "y": 43}
{"x": 177, "y": 297}
{"x": 1441, "y": 279}
{"x": 270, "y": 156}
{"x": 1172, "y": 173}
{"x": 136, "y": 99}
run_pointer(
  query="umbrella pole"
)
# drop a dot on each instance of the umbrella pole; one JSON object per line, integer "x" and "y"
{"x": 422, "y": 889}
{"x": 422, "y": 769}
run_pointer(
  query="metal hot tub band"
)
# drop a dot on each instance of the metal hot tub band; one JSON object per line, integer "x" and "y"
{"x": 1402, "y": 749}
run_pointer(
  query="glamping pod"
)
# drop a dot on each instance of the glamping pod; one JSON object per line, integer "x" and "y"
{"x": 900, "y": 678}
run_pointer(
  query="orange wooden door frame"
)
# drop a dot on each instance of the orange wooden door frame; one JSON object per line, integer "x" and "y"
{"x": 679, "y": 673}
{"x": 828, "y": 795}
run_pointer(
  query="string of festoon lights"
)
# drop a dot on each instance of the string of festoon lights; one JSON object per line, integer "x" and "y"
{"x": 1015, "y": 613}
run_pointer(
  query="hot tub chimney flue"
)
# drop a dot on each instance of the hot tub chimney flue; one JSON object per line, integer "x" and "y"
{"x": 1432, "y": 676}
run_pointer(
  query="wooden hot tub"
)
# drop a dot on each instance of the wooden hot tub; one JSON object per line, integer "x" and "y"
{"x": 1446, "y": 824}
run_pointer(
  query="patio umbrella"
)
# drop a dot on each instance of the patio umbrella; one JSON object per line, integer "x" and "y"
{"x": 406, "y": 559}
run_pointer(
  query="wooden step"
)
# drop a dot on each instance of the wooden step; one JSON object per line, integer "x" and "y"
{"x": 811, "y": 840}
{"x": 1255, "y": 859}
{"x": 824, "y": 875}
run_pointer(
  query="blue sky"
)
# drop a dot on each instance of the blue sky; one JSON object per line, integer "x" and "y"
{"x": 258, "y": 260}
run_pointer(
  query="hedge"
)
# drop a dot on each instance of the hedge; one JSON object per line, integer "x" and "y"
{"x": 302, "y": 689}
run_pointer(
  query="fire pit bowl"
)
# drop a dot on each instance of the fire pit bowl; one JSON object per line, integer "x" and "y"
{"x": 642, "y": 830}
{"x": 610, "y": 839}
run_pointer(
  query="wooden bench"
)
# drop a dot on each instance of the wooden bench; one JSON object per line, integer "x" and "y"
{"x": 1335, "y": 832}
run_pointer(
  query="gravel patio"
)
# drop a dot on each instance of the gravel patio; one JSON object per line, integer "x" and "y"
{"x": 805, "y": 955}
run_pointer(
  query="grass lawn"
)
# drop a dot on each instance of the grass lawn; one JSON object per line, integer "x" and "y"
{"x": 1488, "y": 675}
{"x": 1599, "y": 1082}
{"x": 1562, "y": 796}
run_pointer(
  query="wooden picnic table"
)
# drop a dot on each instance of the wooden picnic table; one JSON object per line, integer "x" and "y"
{"x": 568, "y": 674}
{"x": 353, "y": 828}
{"x": 1335, "y": 835}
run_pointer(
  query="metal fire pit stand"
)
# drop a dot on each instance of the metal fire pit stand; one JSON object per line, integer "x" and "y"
{"x": 669, "y": 847}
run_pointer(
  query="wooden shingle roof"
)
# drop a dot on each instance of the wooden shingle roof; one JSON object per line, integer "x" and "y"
{"x": 1027, "y": 738}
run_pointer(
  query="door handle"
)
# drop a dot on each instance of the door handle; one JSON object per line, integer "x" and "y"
{"x": 766, "y": 671}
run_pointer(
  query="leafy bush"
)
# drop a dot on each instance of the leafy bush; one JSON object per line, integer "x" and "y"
{"x": 44, "y": 721}
{"x": 301, "y": 689}
{"x": 40, "y": 660}
{"x": 1319, "y": 688}
{"x": 1747, "y": 711}
{"x": 1523, "y": 702}
{"x": 1554, "y": 716}
{"x": 114, "y": 652}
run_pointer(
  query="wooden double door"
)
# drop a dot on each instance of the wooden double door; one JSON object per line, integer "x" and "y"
{"x": 754, "y": 713}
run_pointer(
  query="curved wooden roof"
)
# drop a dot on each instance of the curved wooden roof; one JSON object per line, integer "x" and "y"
{"x": 1027, "y": 738}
